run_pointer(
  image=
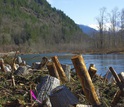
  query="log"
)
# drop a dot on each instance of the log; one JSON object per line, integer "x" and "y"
{"x": 43, "y": 62}
{"x": 52, "y": 70}
{"x": 116, "y": 98}
{"x": 109, "y": 77}
{"x": 92, "y": 70}
{"x": 87, "y": 85}
{"x": 119, "y": 83}
{"x": 2, "y": 65}
{"x": 82, "y": 105}
{"x": 60, "y": 69}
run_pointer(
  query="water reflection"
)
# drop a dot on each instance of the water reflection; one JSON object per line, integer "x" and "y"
{"x": 101, "y": 61}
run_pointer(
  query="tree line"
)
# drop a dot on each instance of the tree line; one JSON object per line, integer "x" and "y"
{"x": 111, "y": 30}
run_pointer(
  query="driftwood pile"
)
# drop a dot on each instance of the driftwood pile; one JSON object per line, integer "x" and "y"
{"x": 50, "y": 84}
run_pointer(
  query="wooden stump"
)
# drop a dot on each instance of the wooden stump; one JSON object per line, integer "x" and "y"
{"x": 87, "y": 85}
{"x": 60, "y": 69}
{"x": 52, "y": 70}
{"x": 92, "y": 70}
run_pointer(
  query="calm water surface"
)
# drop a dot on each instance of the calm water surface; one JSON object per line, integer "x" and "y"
{"x": 102, "y": 61}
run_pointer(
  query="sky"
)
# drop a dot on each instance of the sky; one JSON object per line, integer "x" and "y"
{"x": 85, "y": 11}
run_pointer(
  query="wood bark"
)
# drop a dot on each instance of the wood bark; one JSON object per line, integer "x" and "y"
{"x": 60, "y": 69}
{"x": 116, "y": 98}
{"x": 92, "y": 70}
{"x": 52, "y": 70}
{"x": 119, "y": 83}
{"x": 2, "y": 65}
{"x": 87, "y": 85}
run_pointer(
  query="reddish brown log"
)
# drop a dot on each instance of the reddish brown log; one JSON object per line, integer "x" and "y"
{"x": 87, "y": 85}
{"x": 116, "y": 98}
{"x": 120, "y": 85}
{"x": 52, "y": 70}
{"x": 60, "y": 70}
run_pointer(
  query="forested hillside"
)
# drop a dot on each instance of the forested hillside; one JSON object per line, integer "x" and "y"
{"x": 32, "y": 25}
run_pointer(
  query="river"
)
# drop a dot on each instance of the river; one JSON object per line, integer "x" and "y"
{"x": 102, "y": 61}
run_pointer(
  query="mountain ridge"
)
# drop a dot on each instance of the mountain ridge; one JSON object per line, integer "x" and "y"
{"x": 34, "y": 23}
{"x": 88, "y": 30}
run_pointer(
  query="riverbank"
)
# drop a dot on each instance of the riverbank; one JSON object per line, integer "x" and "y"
{"x": 19, "y": 94}
{"x": 101, "y": 51}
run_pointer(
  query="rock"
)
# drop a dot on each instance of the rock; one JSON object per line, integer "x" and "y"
{"x": 7, "y": 68}
{"x": 22, "y": 70}
{"x": 36, "y": 65}
{"x": 61, "y": 96}
{"x": 19, "y": 60}
{"x": 48, "y": 83}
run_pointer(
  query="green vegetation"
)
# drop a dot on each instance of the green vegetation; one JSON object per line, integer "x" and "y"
{"x": 32, "y": 25}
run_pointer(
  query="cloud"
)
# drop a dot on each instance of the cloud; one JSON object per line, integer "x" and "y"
{"x": 95, "y": 26}
{"x": 107, "y": 26}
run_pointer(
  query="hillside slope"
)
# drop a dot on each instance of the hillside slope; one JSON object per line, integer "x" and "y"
{"x": 34, "y": 24}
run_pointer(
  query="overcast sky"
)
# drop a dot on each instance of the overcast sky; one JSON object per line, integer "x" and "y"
{"x": 85, "y": 11}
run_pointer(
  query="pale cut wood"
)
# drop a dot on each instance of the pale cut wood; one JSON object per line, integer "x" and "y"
{"x": 60, "y": 69}
{"x": 87, "y": 85}
{"x": 82, "y": 105}
{"x": 121, "y": 76}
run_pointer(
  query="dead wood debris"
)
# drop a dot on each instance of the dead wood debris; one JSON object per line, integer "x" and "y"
{"x": 19, "y": 96}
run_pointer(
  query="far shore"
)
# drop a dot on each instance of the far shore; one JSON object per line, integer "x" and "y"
{"x": 12, "y": 53}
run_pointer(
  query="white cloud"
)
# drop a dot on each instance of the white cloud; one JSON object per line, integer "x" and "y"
{"x": 95, "y": 26}
{"x": 107, "y": 26}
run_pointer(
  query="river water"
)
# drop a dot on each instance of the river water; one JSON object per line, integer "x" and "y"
{"x": 102, "y": 61}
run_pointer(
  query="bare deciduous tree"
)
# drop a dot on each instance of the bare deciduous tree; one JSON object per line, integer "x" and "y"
{"x": 101, "y": 20}
{"x": 114, "y": 20}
